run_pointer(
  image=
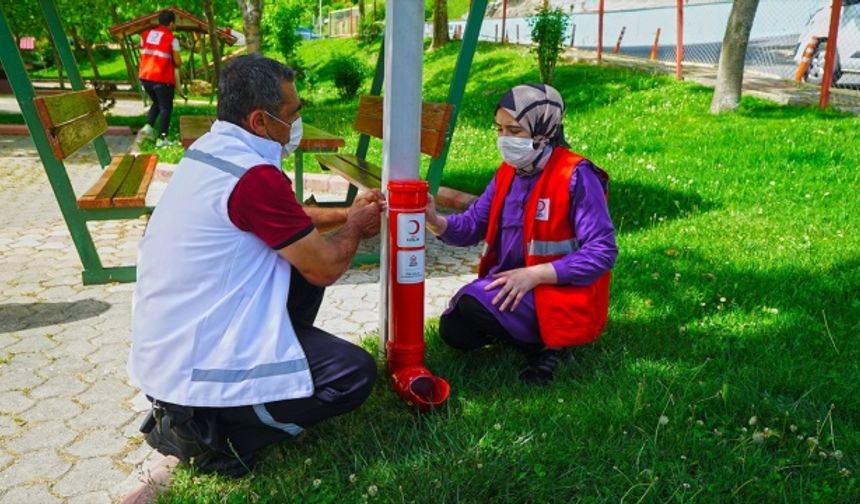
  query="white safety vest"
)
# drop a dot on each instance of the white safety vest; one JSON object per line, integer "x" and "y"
{"x": 209, "y": 320}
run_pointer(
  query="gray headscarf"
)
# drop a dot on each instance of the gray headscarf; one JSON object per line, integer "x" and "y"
{"x": 539, "y": 109}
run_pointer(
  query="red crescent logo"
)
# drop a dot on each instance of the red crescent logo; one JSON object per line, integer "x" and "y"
{"x": 416, "y": 226}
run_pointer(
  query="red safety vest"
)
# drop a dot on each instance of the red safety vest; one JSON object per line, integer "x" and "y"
{"x": 567, "y": 315}
{"x": 156, "y": 56}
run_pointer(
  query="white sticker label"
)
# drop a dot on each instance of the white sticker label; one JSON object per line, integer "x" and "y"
{"x": 410, "y": 230}
{"x": 542, "y": 209}
{"x": 410, "y": 266}
{"x": 154, "y": 37}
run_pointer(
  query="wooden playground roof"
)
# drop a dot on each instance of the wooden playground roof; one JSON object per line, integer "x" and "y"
{"x": 185, "y": 22}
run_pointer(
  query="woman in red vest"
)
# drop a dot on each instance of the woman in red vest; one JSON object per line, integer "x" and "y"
{"x": 549, "y": 242}
{"x": 159, "y": 57}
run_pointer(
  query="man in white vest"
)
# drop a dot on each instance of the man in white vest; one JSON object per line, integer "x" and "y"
{"x": 230, "y": 277}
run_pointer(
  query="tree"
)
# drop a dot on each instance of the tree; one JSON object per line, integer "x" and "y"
{"x": 440, "y": 23}
{"x": 252, "y": 12}
{"x": 213, "y": 41}
{"x": 548, "y": 29}
{"x": 730, "y": 75}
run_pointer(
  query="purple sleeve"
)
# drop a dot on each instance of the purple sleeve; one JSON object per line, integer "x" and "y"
{"x": 470, "y": 227}
{"x": 595, "y": 233}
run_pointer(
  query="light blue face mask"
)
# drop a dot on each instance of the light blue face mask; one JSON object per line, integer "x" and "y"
{"x": 296, "y": 131}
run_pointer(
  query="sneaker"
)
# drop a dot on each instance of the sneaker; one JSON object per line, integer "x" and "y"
{"x": 542, "y": 365}
{"x": 147, "y": 131}
{"x": 164, "y": 142}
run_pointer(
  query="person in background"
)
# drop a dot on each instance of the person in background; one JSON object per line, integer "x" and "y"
{"x": 159, "y": 58}
{"x": 549, "y": 242}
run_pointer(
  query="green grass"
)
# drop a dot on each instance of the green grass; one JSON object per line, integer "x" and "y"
{"x": 111, "y": 67}
{"x": 728, "y": 369}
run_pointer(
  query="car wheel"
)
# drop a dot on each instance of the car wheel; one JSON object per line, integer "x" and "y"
{"x": 815, "y": 71}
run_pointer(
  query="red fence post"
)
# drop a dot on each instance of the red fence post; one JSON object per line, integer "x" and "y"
{"x": 617, "y": 48}
{"x": 656, "y": 46}
{"x": 679, "y": 43}
{"x": 600, "y": 32}
{"x": 830, "y": 54}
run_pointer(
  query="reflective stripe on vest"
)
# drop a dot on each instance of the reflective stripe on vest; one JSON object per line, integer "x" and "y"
{"x": 157, "y": 53}
{"x": 552, "y": 248}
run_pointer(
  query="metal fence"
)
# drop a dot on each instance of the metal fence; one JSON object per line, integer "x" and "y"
{"x": 783, "y": 31}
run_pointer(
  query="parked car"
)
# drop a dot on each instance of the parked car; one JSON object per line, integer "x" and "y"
{"x": 847, "y": 43}
{"x": 308, "y": 33}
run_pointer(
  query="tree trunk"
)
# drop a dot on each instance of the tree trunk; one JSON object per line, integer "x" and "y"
{"x": 440, "y": 23}
{"x": 360, "y": 11}
{"x": 213, "y": 41}
{"x": 88, "y": 49}
{"x": 730, "y": 76}
{"x": 252, "y": 11}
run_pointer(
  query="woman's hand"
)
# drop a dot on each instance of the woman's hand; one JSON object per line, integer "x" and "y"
{"x": 435, "y": 223}
{"x": 516, "y": 283}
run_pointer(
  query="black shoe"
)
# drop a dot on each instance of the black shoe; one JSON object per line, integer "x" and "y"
{"x": 168, "y": 440}
{"x": 542, "y": 365}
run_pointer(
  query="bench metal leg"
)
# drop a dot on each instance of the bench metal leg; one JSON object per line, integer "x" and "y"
{"x": 299, "y": 183}
{"x": 122, "y": 274}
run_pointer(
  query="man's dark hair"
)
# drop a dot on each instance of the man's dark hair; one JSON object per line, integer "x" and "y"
{"x": 249, "y": 83}
{"x": 166, "y": 17}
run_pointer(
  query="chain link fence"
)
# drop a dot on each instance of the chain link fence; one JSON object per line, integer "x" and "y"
{"x": 782, "y": 32}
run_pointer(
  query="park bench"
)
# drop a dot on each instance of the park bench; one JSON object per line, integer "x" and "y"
{"x": 359, "y": 172}
{"x": 71, "y": 121}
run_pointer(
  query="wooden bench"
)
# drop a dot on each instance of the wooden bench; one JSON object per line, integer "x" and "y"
{"x": 435, "y": 118}
{"x": 71, "y": 121}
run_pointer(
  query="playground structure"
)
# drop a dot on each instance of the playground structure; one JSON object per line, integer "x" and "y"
{"x": 194, "y": 35}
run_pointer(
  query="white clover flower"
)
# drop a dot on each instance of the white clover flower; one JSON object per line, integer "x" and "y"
{"x": 753, "y": 420}
{"x": 307, "y": 461}
{"x": 560, "y": 400}
{"x": 353, "y": 478}
{"x": 480, "y": 466}
{"x": 837, "y": 455}
{"x": 722, "y": 299}
{"x": 372, "y": 490}
{"x": 663, "y": 420}
{"x": 758, "y": 437}
{"x": 792, "y": 428}
{"x": 317, "y": 483}
{"x": 498, "y": 426}
{"x": 700, "y": 423}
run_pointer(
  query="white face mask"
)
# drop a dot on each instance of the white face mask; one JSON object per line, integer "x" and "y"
{"x": 517, "y": 151}
{"x": 296, "y": 131}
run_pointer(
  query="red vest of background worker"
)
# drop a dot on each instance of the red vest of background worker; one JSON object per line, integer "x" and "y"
{"x": 159, "y": 57}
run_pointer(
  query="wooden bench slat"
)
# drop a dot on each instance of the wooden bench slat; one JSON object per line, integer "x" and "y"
{"x": 67, "y": 107}
{"x": 132, "y": 192}
{"x": 100, "y": 194}
{"x": 358, "y": 171}
{"x": 434, "y": 122}
{"x": 71, "y": 137}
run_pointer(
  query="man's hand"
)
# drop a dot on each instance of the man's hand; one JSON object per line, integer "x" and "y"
{"x": 435, "y": 223}
{"x": 365, "y": 212}
{"x": 516, "y": 283}
{"x": 366, "y": 198}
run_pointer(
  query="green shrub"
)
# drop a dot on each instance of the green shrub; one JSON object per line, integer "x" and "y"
{"x": 548, "y": 29}
{"x": 282, "y": 24}
{"x": 370, "y": 30}
{"x": 348, "y": 72}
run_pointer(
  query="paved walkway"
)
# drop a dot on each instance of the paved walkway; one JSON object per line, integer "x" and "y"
{"x": 68, "y": 416}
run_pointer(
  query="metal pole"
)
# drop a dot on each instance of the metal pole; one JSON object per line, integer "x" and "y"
{"x": 600, "y": 10}
{"x": 830, "y": 54}
{"x": 504, "y": 21}
{"x": 401, "y": 145}
{"x": 458, "y": 87}
{"x": 61, "y": 42}
{"x": 679, "y": 43}
{"x": 319, "y": 20}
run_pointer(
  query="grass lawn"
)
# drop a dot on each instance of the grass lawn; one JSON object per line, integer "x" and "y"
{"x": 728, "y": 369}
